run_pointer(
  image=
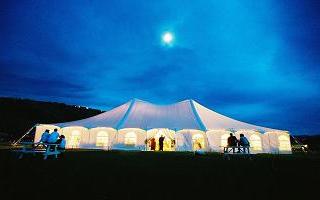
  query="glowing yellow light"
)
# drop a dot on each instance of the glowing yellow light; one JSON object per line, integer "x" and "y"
{"x": 197, "y": 141}
{"x": 255, "y": 142}
{"x": 224, "y": 140}
{"x": 168, "y": 143}
{"x": 130, "y": 139}
{"x": 284, "y": 143}
{"x": 102, "y": 139}
{"x": 75, "y": 139}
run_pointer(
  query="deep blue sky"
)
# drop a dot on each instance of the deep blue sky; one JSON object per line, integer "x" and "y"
{"x": 256, "y": 61}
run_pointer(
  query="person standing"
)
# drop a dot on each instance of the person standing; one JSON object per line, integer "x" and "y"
{"x": 161, "y": 139}
{"x": 153, "y": 144}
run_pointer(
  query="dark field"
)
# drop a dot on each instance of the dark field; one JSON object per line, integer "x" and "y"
{"x": 148, "y": 175}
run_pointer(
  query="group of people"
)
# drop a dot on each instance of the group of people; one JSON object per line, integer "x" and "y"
{"x": 234, "y": 142}
{"x": 153, "y": 143}
{"x": 53, "y": 138}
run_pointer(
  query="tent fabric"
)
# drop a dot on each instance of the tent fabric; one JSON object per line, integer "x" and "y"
{"x": 186, "y": 114}
{"x": 146, "y": 116}
{"x": 106, "y": 119}
{"x": 213, "y": 120}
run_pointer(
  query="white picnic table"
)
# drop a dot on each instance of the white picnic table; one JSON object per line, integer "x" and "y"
{"x": 46, "y": 149}
{"x": 236, "y": 149}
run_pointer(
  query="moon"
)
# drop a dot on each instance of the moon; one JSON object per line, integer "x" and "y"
{"x": 167, "y": 38}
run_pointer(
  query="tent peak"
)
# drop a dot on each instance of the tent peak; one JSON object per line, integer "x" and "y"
{"x": 138, "y": 100}
{"x": 143, "y": 101}
{"x": 186, "y": 114}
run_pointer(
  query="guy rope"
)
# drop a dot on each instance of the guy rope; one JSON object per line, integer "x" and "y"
{"x": 19, "y": 140}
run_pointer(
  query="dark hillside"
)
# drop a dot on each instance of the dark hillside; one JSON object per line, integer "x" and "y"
{"x": 18, "y": 115}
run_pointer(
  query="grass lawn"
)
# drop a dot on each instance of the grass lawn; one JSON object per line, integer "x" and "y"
{"x": 160, "y": 175}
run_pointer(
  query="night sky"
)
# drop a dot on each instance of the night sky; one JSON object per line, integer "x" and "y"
{"x": 255, "y": 61}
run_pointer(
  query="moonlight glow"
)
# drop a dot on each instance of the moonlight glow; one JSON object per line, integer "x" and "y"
{"x": 167, "y": 38}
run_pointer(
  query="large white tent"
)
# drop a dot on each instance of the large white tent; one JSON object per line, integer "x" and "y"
{"x": 186, "y": 125}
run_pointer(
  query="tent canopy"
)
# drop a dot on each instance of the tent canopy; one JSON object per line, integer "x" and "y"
{"x": 187, "y": 114}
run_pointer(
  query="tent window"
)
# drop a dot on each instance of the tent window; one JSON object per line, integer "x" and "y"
{"x": 224, "y": 140}
{"x": 255, "y": 142}
{"x": 284, "y": 143}
{"x": 198, "y": 141}
{"x": 75, "y": 139}
{"x": 102, "y": 139}
{"x": 130, "y": 139}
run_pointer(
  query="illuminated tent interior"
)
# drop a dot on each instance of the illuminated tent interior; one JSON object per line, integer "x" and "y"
{"x": 186, "y": 125}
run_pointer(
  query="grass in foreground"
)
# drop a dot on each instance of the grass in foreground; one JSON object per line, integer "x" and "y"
{"x": 160, "y": 175}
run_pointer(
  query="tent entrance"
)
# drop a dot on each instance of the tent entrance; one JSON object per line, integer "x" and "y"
{"x": 168, "y": 143}
{"x": 198, "y": 142}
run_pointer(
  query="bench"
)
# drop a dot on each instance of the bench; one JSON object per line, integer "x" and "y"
{"x": 46, "y": 149}
{"x": 236, "y": 150}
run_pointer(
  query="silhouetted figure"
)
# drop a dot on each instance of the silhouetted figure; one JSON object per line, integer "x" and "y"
{"x": 161, "y": 139}
{"x": 44, "y": 139}
{"x": 62, "y": 142}
{"x": 45, "y": 136}
{"x": 232, "y": 141}
{"x": 53, "y": 136}
{"x": 244, "y": 142}
{"x": 153, "y": 144}
{"x": 173, "y": 143}
{"x": 199, "y": 145}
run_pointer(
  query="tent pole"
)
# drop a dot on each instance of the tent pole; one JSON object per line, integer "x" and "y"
{"x": 116, "y": 136}
{"x": 207, "y": 141}
{"x": 113, "y": 139}
{"x": 176, "y": 139}
{"x": 15, "y": 143}
{"x": 62, "y": 130}
{"x": 270, "y": 149}
{"x": 89, "y": 138}
{"x": 146, "y": 143}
